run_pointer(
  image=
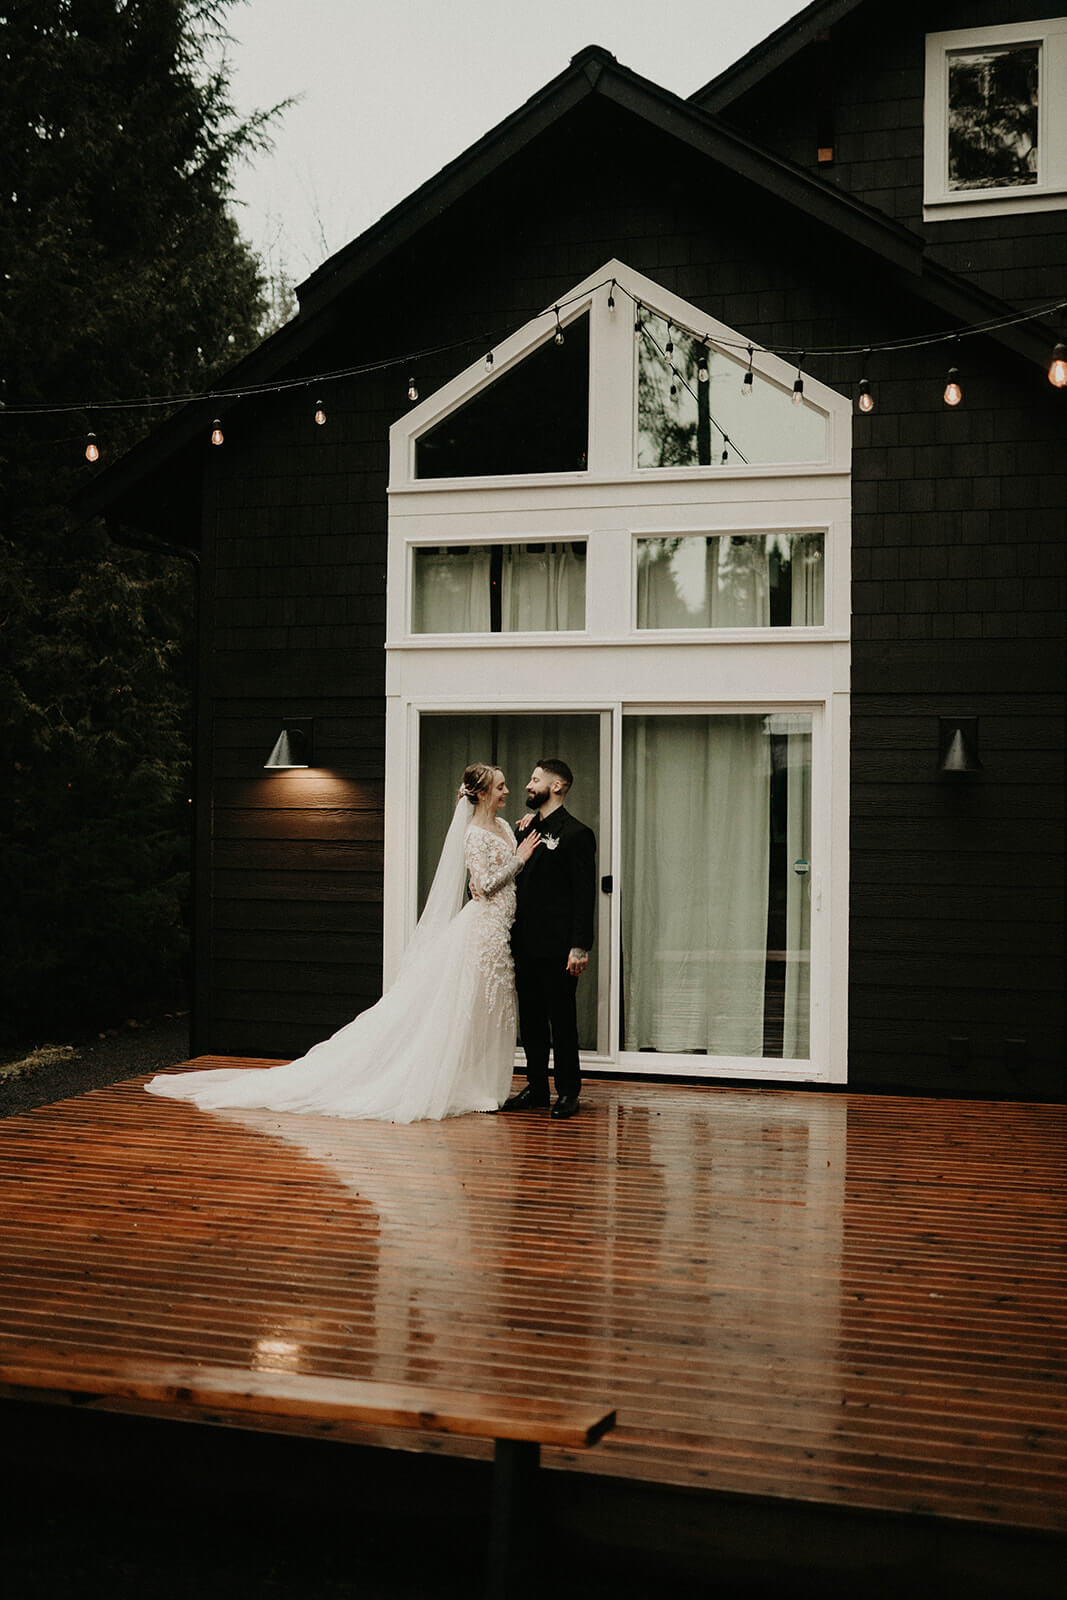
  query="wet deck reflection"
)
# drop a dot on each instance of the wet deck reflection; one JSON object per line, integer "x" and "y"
{"x": 843, "y": 1299}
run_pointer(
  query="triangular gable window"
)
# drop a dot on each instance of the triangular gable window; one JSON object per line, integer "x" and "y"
{"x": 694, "y": 407}
{"x": 532, "y": 419}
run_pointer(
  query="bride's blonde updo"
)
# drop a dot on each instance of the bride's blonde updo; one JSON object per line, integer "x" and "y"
{"x": 477, "y": 780}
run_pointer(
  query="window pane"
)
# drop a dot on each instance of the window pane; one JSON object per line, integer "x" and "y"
{"x": 992, "y": 117}
{"x": 516, "y": 743}
{"x": 716, "y": 856}
{"x": 510, "y": 588}
{"x": 757, "y": 580}
{"x": 683, "y": 422}
{"x": 534, "y": 418}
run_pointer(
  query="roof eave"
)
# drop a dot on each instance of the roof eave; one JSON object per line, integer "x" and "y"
{"x": 772, "y": 52}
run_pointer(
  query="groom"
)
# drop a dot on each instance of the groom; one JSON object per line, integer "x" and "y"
{"x": 551, "y": 940}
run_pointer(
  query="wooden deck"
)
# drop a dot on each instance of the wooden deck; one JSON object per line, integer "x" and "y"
{"x": 849, "y": 1301}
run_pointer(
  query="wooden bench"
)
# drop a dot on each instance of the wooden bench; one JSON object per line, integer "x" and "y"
{"x": 517, "y": 1426}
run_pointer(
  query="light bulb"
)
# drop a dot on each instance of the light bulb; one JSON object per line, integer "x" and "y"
{"x": 725, "y": 452}
{"x": 798, "y": 390}
{"x": 559, "y": 334}
{"x": 217, "y": 435}
{"x": 669, "y": 346}
{"x": 702, "y": 367}
{"x": 320, "y": 413}
{"x": 1057, "y": 367}
{"x": 92, "y": 452}
{"x": 488, "y": 361}
{"x": 413, "y": 389}
{"x": 953, "y": 392}
{"x": 746, "y": 384}
{"x": 611, "y": 296}
{"x": 866, "y": 399}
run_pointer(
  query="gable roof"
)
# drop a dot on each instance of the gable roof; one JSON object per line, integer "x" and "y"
{"x": 592, "y": 74}
{"x": 772, "y": 52}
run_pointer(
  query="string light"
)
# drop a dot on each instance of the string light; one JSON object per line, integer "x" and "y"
{"x": 559, "y": 327}
{"x": 92, "y": 451}
{"x": 747, "y": 380}
{"x": 798, "y": 383}
{"x": 669, "y": 346}
{"x": 725, "y": 450}
{"x": 639, "y": 326}
{"x": 1057, "y": 367}
{"x": 278, "y": 386}
{"x": 953, "y": 393}
{"x": 217, "y": 435}
{"x": 702, "y": 365}
{"x": 611, "y": 296}
{"x": 488, "y": 361}
{"x": 866, "y": 398}
{"x": 320, "y": 413}
{"x": 413, "y": 388}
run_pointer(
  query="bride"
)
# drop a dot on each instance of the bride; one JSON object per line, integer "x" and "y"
{"x": 441, "y": 1040}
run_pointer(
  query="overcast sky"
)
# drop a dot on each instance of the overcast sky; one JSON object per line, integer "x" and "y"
{"x": 391, "y": 90}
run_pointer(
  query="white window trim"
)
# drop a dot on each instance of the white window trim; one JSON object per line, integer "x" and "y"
{"x": 619, "y": 668}
{"x": 942, "y": 204}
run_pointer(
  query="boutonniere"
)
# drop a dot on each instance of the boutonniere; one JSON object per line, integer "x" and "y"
{"x": 550, "y": 841}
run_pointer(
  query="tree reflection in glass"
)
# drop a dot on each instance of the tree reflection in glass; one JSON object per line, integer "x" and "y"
{"x": 758, "y": 580}
{"x": 992, "y": 118}
{"x": 684, "y": 422}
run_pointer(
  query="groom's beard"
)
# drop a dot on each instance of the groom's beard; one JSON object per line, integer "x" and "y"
{"x": 534, "y": 802}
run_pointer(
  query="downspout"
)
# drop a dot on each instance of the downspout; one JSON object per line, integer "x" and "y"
{"x": 121, "y": 535}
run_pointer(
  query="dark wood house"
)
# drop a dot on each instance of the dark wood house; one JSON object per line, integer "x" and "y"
{"x": 600, "y": 476}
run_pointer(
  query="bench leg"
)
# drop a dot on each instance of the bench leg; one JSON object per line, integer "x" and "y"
{"x": 515, "y": 1519}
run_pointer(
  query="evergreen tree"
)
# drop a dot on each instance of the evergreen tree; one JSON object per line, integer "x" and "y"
{"x": 122, "y": 274}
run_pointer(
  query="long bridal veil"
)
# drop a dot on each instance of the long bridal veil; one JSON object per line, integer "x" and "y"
{"x": 431, "y": 1047}
{"x": 445, "y": 899}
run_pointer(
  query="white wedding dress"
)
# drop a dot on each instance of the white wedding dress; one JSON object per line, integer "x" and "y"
{"x": 440, "y": 1041}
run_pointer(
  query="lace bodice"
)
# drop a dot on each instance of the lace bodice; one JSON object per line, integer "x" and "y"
{"x": 493, "y": 867}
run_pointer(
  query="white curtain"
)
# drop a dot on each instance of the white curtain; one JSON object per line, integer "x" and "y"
{"x": 516, "y": 742}
{"x": 451, "y": 590}
{"x": 808, "y": 570}
{"x": 542, "y": 588}
{"x": 696, "y": 837}
{"x": 724, "y": 580}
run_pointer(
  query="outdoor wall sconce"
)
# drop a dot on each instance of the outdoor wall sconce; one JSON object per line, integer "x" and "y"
{"x": 294, "y": 747}
{"x": 959, "y": 746}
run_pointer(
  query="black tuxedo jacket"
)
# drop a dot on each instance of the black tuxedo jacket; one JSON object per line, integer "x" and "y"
{"x": 556, "y": 889}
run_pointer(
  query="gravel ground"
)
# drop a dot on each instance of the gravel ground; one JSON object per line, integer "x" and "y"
{"x": 118, "y": 1053}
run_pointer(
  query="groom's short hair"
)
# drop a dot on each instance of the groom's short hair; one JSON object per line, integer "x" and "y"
{"x": 558, "y": 769}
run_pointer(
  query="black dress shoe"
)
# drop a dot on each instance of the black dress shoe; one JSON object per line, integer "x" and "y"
{"x": 528, "y": 1099}
{"x": 565, "y": 1106}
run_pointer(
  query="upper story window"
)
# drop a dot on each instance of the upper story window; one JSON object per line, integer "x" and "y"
{"x": 747, "y": 580}
{"x": 996, "y": 120}
{"x": 625, "y": 486}
{"x": 534, "y": 418}
{"x": 499, "y": 588}
{"x": 694, "y": 407}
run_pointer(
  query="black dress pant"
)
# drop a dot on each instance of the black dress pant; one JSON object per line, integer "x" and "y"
{"x": 548, "y": 1020}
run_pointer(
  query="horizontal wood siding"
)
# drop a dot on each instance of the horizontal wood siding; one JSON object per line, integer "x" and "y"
{"x": 957, "y": 598}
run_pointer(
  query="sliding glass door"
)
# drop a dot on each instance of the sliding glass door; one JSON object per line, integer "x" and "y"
{"x": 712, "y": 874}
{"x": 715, "y": 872}
{"x": 516, "y": 742}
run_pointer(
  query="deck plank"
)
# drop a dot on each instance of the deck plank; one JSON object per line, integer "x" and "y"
{"x": 857, "y": 1301}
